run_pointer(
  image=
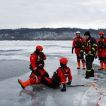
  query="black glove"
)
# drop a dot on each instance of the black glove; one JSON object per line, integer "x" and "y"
{"x": 69, "y": 83}
{"x": 46, "y": 75}
{"x": 72, "y": 49}
{"x": 30, "y": 67}
{"x": 64, "y": 88}
{"x": 42, "y": 55}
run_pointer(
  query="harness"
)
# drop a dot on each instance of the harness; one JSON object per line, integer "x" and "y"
{"x": 65, "y": 72}
{"x": 39, "y": 63}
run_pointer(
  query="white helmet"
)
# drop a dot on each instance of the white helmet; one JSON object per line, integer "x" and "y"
{"x": 77, "y": 32}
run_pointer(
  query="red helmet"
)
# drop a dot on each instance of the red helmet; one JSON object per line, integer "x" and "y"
{"x": 39, "y": 47}
{"x": 64, "y": 60}
{"x": 101, "y": 33}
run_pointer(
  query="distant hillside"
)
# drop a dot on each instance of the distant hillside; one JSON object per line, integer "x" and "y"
{"x": 43, "y": 33}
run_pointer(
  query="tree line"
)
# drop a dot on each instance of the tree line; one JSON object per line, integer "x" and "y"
{"x": 44, "y": 33}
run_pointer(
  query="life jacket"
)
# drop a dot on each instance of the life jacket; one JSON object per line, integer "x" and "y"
{"x": 89, "y": 43}
{"x": 64, "y": 74}
{"x": 101, "y": 43}
{"x": 78, "y": 42}
{"x": 65, "y": 71}
{"x": 39, "y": 60}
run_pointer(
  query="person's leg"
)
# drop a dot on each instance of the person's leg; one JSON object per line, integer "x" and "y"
{"x": 32, "y": 80}
{"x": 101, "y": 63}
{"x": 87, "y": 74}
{"x": 104, "y": 63}
{"x": 47, "y": 81}
{"x": 91, "y": 69}
{"x": 55, "y": 80}
{"x": 83, "y": 63}
{"x": 82, "y": 60}
{"x": 24, "y": 84}
{"x": 78, "y": 62}
{"x": 92, "y": 73}
{"x": 88, "y": 69}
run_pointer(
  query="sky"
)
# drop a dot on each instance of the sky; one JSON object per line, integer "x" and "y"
{"x": 52, "y": 13}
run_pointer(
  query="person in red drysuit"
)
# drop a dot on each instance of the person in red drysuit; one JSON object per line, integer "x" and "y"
{"x": 37, "y": 67}
{"x": 78, "y": 44}
{"x": 64, "y": 73}
{"x": 101, "y": 42}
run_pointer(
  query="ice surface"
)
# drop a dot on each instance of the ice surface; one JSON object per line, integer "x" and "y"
{"x": 11, "y": 93}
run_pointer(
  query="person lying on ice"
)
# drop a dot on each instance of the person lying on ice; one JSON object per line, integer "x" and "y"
{"x": 64, "y": 73}
{"x": 37, "y": 67}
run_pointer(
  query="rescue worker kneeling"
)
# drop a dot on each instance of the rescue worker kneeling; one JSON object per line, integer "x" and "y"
{"x": 38, "y": 73}
{"x": 64, "y": 73}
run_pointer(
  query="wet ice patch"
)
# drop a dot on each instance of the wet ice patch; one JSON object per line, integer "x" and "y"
{"x": 50, "y": 101}
{"x": 77, "y": 98}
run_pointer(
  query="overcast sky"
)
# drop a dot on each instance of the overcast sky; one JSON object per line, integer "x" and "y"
{"x": 52, "y": 13}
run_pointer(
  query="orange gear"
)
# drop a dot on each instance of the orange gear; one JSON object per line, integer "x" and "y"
{"x": 39, "y": 47}
{"x": 64, "y": 60}
{"x": 101, "y": 33}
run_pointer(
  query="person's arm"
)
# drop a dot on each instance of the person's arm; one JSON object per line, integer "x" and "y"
{"x": 62, "y": 79}
{"x": 95, "y": 46}
{"x": 43, "y": 56}
{"x": 69, "y": 77}
{"x": 73, "y": 46}
{"x": 33, "y": 59}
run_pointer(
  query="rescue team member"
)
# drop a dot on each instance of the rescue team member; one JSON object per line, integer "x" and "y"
{"x": 102, "y": 50}
{"x": 78, "y": 45}
{"x": 64, "y": 73}
{"x": 90, "y": 53}
{"x": 37, "y": 66}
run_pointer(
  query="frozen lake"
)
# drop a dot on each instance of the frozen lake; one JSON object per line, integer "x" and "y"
{"x": 14, "y": 59}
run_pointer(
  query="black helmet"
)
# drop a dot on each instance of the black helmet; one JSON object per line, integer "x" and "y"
{"x": 87, "y": 33}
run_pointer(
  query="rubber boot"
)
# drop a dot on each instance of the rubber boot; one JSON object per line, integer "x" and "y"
{"x": 87, "y": 74}
{"x": 92, "y": 73}
{"x": 64, "y": 88}
{"x": 78, "y": 63}
{"x": 24, "y": 84}
{"x": 104, "y": 66}
{"x": 101, "y": 66}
